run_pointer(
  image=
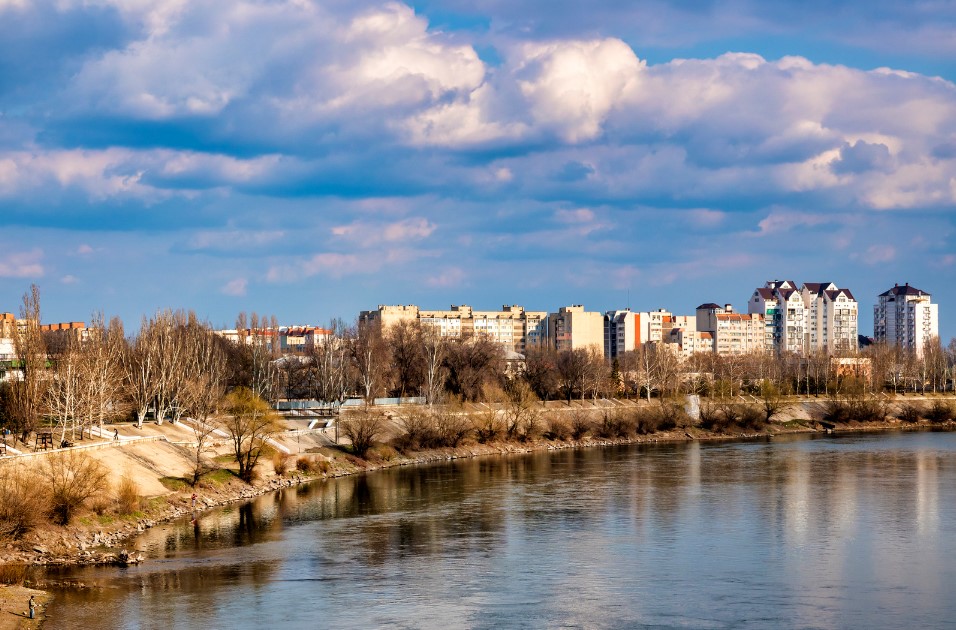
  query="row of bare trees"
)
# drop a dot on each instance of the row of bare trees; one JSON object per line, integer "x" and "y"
{"x": 175, "y": 365}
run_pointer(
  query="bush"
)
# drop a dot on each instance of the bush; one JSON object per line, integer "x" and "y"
{"x": 910, "y": 413}
{"x": 127, "y": 495}
{"x": 647, "y": 421}
{"x": 751, "y": 417}
{"x": 363, "y": 429}
{"x": 451, "y": 429}
{"x": 580, "y": 425}
{"x": 941, "y": 411}
{"x": 72, "y": 478}
{"x": 488, "y": 426}
{"x": 22, "y": 506}
{"x": 281, "y": 462}
{"x": 558, "y": 429}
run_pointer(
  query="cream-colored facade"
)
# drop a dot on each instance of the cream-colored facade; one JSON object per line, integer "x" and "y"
{"x": 572, "y": 327}
{"x": 732, "y": 333}
{"x": 513, "y": 327}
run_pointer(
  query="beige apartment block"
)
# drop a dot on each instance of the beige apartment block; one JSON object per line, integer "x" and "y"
{"x": 732, "y": 333}
{"x": 572, "y": 328}
{"x": 513, "y": 327}
{"x": 905, "y": 316}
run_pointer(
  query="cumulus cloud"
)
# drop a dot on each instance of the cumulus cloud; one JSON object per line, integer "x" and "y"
{"x": 452, "y": 277}
{"x": 236, "y": 287}
{"x": 26, "y": 264}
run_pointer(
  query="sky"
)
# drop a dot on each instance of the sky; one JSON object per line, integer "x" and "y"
{"x": 311, "y": 159}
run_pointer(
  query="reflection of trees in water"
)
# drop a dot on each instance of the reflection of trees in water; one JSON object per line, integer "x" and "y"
{"x": 165, "y": 591}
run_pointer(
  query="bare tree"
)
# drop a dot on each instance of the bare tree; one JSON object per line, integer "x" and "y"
{"x": 363, "y": 428}
{"x": 367, "y": 349}
{"x": 102, "y": 354}
{"x": 406, "y": 354}
{"x": 330, "y": 364}
{"x": 66, "y": 397}
{"x": 203, "y": 391}
{"x": 572, "y": 369}
{"x": 72, "y": 479}
{"x": 433, "y": 349}
{"x": 141, "y": 372}
{"x": 471, "y": 363}
{"x": 26, "y": 395}
{"x": 250, "y": 423}
{"x": 521, "y": 409}
{"x": 541, "y": 372}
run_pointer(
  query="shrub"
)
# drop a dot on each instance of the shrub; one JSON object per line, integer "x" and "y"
{"x": 647, "y": 421}
{"x": 940, "y": 411}
{"x": 751, "y": 417}
{"x": 362, "y": 429}
{"x": 72, "y": 478}
{"x": 488, "y": 426}
{"x": 14, "y": 574}
{"x": 383, "y": 452}
{"x": 281, "y": 462}
{"x": 910, "y": 413}
{"x": 127, "y": 495}
{"x": 451, "y": 428}
{"x": 22, "y": 507}
{"x": 306, "y": 464}
{"x": 417, "y": 431}
{"x": 558, "y": 429}
{"x": 580, "y": 425}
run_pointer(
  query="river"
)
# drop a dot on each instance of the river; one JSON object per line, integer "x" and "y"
{"x": 791, "y": 532}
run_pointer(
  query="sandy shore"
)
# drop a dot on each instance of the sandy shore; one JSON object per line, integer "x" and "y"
{"x": 14, "y": 606}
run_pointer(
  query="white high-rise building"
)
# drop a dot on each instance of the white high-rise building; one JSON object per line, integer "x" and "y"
{"x": 831, "y": 315}
{"x": 905, "y": 316}
{"x": 818, "y": 316}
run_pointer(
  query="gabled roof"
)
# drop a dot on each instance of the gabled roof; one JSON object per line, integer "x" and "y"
{"x": 765, "y": 293}
{"x": 708, "y": 306}
{"x": 819, "y": 288}
{"x": 904, "y": 290}
{"x": 833, "y": 295}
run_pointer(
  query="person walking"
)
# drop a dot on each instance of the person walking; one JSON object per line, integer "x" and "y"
{"x": 33, "y": 607}
{"x": 116, "y": 435}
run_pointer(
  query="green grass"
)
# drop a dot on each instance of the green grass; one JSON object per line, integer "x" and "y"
{"x": 218, "y": 477}
{"x": 176, "y": 484}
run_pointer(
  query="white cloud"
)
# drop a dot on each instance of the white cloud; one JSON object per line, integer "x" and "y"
{"x": 452, "y": 277}
{"x": 26, "y": 264}
{"x": 236, "y": 287}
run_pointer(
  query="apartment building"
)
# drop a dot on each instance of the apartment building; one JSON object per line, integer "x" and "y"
{"x": 831, "y": 317}
{"x": 817, "y": 316}
{"x": 627, "y": 330}
{"x": 572, "y": 327}
{"x": 513, "y": 327}
{"x": 905, "y": 316}
{"x": 731, "y": 332}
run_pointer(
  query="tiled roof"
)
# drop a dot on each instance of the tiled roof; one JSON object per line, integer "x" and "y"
{"x": 904, "y": 290}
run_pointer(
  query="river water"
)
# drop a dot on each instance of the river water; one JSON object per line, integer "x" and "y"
{"x": 791, "y": 532}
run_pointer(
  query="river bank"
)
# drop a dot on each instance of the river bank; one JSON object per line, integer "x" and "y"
{"x": 96, "y": 541}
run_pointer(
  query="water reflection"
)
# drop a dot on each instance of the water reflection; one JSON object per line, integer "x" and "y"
{"x": 793, "y": 532}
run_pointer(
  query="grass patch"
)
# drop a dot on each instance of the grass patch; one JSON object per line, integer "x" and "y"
{"x": 217, "y": 477}
{"x": 176, "y": 484}
{"x": 224, "y": 459}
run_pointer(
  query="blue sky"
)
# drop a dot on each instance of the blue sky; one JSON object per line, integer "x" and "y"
{"x": 313, "y": 159}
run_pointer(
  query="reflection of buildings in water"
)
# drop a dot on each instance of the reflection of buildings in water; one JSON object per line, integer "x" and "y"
{"x": 796, "y": 497}
{"x": 927, "y": 494}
